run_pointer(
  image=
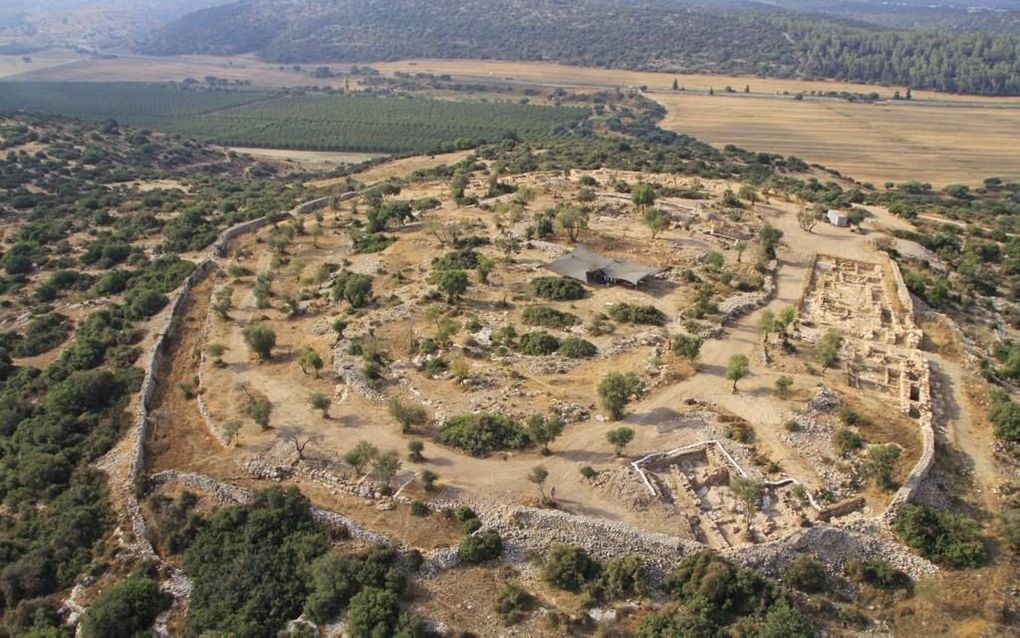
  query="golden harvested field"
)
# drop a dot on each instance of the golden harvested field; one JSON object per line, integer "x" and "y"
{"x": 11, "y": 65}
{"x": 870, "y": 142}
{"x": 563, "y": 75}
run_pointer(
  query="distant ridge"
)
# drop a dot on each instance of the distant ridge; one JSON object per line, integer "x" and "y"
{"x": 646, "y": 34}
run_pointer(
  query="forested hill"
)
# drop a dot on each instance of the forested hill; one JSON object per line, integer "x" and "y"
{"x": 646, "y": 34}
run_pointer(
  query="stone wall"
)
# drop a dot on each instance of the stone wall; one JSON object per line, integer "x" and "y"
{"x": 926, "y": 425}
{"x": 176, "y": 583}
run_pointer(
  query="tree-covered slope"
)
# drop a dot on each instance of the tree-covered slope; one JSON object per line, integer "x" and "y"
{"x": 648, "y": 34}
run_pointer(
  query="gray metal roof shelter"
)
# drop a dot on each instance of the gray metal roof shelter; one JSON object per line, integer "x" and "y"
{"x": 589, "y": 267}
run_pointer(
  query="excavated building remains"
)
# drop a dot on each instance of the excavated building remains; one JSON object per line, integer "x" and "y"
{"x": 869, "y": 304}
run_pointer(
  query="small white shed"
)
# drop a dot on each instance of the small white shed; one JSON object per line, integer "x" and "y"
{"x": 837, "y": 218}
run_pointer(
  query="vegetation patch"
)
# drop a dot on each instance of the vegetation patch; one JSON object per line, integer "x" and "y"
{"x": 483, "y": 434}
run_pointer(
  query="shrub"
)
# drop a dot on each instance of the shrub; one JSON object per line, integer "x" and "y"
{"x": 557, "y": 288}
{"x": 1005, "y": 416}
{"x": 588, "y": 472}
{"x": 807, "y": 574}
{"x": 42, "y": 335}
{"x": 877, "y": 573}
{"x": 478, "y": 549}
{"x": 687, "y": 346}
{"x": 666, "y": 625}
{"x": 260, "y": 339}
{"x": 783, "y": 621}
{"x": 466, "y": 259}
{"x": 472, "y": 525}
{"x": 482, "y": 434}
{"x": 548, "y": 317}
{"x": 847, "y": 441}
{"x": 452, "y": 283}
{"x": 725, "y": 590}
{"x": 538, "y": 343}
{"x": 335, "y": 579}
{"x": 372, "y": 243}
{"x": 569, "y": 567}
{"x": 622, "y": 577}
{"x": 419, "y": 508}
{"x": 354, "y": 288}
{"x": 880, "y": 463}
{"x": 249, "y": 562}
{"x": 1011, "y": 528}
{"x": 373, "y": 612}
{"x": 577, "y": 348}
{"x": 630, "y": 313}
{"x": 124, "y": 609}
{"x": 941, "y": 535}
{"x": 464, "y": 513}
{"x": 512, "y": 602}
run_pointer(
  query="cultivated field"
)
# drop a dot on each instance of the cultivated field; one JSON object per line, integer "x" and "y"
{"x": 925, "y": 139}
{"x": 315, "y": 122}
{"x": 71, "y": 67}
{"x": 563, "y": 75}
{"x": 869, "y": 142}
{"x": 898, "y": 142}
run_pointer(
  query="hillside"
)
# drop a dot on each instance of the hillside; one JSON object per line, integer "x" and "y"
{"x": 645, "y": 35}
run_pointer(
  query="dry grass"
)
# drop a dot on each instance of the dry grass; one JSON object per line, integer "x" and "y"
{"x": 397, "y": 167}
{"x": 869, "y": 142}
{"x": 307, "y": 160}
{"x": 41, "y": 60}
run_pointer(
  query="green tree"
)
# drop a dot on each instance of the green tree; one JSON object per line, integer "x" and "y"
{"x": 538, "y": 475}
{"x": 415, "y": 447}
{"x": 310, "y": 359}
{"x": 484, "y": 269}
{"x": 642, "y": 197}
{"x": 737, "y": 368}
{"x": 656, "y": 220}
{"x": 385, "y": 466}
{"x": 406, "y": 413}
{"x": 571, "y": 221}
{"x": 260, "y": 340}
{"x": 452, "y": 283}
{"x": 769, "y": 237}
{"x": 828, "y": 347}
{"x": 361, "y": 455}
{"x": 616, "y": 390}
{"x": 223, "y": 301}
{"x": 619, "y": 438}
{"x": 749, "y": 492}
{"x": 320, "y": 402}
{"x": 544, "y": 430}
{"x": 428, "y": 479}
{"x": 880, "y": 463}
{"x": 783, "y": 386}
{"x": 687, "y": 346}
